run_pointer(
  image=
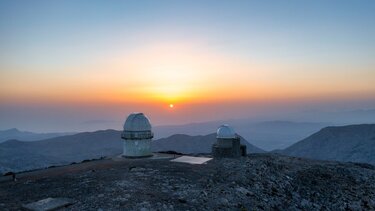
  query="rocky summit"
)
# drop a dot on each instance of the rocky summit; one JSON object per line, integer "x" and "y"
{"x": 255, "y": 182}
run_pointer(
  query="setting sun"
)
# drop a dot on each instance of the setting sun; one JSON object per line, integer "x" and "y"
{"x": 171, "y": 105}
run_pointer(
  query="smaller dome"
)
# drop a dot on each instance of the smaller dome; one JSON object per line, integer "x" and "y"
{"x": 137, "y": 122}
{"x": 225, "y": 132}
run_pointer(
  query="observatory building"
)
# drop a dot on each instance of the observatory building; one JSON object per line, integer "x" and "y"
{"x": 137, "y": 136}
{"x": 227, "y": 144}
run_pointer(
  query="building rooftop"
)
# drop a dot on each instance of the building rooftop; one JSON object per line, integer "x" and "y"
{"x": 225, "y": 132}
{"x": 137, "y": 122}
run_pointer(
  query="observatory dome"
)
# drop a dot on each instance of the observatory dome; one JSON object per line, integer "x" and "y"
{"x": 137, "y": 122}
{"x": 225, "y": 132}
{"x": 137, "y": 136}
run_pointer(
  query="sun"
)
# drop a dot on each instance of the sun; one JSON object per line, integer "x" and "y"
{"x": 171, "y": 105}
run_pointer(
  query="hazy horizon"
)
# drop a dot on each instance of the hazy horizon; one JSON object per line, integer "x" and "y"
{"x": 85, "y": 65}
{"x": 330, "y": 118}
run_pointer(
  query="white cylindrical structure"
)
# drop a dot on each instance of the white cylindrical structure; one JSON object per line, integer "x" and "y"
{"x": 137, "y": 136}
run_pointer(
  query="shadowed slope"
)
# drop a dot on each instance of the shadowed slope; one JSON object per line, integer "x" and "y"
{"x": 194, "y": 144}
{"x": 354, "y": 143}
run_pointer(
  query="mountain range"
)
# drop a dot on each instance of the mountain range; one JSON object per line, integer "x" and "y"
{"x": 268, "y": 135}
{"x": 20, "y": 156}
{"x": 14, "y": 133}
{"x": 355, "y": 143}
{"x": 194, "y": 144}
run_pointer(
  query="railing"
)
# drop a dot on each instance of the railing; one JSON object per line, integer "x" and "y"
{"x": 137, "y": 135}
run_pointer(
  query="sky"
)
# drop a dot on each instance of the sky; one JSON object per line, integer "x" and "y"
{"x": 85, "y": 65}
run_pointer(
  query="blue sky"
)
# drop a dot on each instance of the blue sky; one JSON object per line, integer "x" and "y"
{"x": 308, "y": 30}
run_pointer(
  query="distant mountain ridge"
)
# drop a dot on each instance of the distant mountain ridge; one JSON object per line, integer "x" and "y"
{"x": 194, "y": 144}
{"x": 355, "y": 143}
{"x": 20, "y": 156}
{"x": 268, "y": 135}
{"x": 14, "y": 133}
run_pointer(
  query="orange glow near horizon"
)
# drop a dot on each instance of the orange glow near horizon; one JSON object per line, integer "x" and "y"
{"x": 181, "y": 73}
{"x": 66, "y": 68}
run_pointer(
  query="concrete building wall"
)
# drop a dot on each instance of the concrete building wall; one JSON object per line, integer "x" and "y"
{"x": 137, "y": 148}
{"x": 224, "y": 143}
{"x": 236, "y": 150}
{"x": 228, "y": 148}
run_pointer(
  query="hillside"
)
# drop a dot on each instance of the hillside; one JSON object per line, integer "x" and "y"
{"x": 194, "y": 144}
{"x": 268, "y": 135}
{"x": 256, "y": 182}
{"x": 14, "y": 133}
{"x": 20, "y": 156}
{"x": 354, "y": 143}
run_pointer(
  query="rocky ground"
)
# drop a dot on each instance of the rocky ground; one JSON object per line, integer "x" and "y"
{"x": 257, "y": 182}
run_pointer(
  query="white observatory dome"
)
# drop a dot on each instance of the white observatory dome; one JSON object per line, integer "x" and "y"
{"x": 137, "y": 122}
{"x": 137, "y": 136}
{"x": 225, "y": 132}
